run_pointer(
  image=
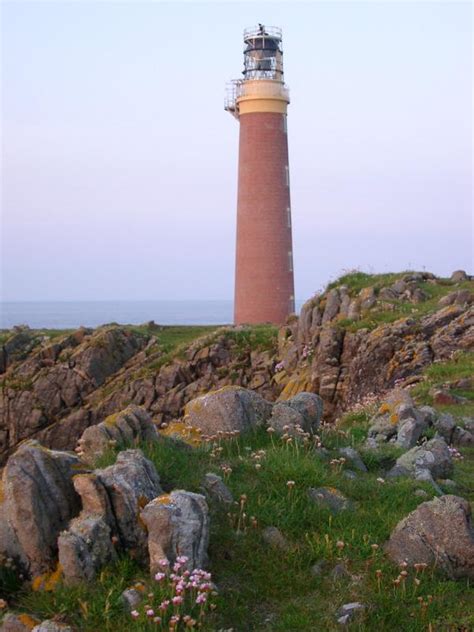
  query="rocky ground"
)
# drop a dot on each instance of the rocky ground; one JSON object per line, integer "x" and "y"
{"x": 322, "y": 473}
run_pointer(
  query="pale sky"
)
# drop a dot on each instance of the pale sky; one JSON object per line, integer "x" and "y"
{"x": 120, "y": 163}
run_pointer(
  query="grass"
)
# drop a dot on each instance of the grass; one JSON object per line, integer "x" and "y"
{"x": 444, "y": 375}
{"x": 356, "y": 281}
{"x": 271, "y": 590}
{"x": 255, "y": 338}
{"x": 378, "y": 315}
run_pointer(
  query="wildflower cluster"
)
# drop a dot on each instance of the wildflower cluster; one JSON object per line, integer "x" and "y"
{"x": 240, "y": 520}
{"x": 337, "y": 464}
{"x": 279, "y": 366}
{"x": 258, "y": 457}
{"x": 181, "y": 599}
{"x": 455, "y": 453}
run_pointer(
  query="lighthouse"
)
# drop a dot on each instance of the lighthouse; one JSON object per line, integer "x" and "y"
{"x": 264, "y": 283}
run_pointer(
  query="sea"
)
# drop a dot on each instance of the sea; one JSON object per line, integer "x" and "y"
{"x": 72, "y": 314}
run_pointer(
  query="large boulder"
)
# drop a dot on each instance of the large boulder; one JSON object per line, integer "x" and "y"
{"x": 39, "y": 500}
{"x": 229, "y": 409}
{"x": 84, "y": 549}
{"x": 438, "y": 532}
{"x": 304, "y": 410}
{"x": 433, "y": 456}
{"x": 129, "y": 427}
{"x": 118, "y": 493}
{"x": 177, "y": 525}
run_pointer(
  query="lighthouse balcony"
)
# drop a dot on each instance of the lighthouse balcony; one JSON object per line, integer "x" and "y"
{"x": 246, "y": 90}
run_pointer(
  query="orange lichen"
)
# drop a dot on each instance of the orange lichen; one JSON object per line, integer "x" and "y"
{"x": 185, "y": 432}
{"x": 394, "y": 418}
{"x": 47, "y": 581}
{"x": 164, "y": 499}
{"x": 28, "y": 621}
{"x": 298, "y": 384}
{"x": 384, "y": 408}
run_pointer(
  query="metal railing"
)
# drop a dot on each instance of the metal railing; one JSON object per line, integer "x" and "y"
{"x": 256, "y": 31}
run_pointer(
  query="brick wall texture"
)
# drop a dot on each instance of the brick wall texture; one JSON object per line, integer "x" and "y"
{"x": 264, "y": 286}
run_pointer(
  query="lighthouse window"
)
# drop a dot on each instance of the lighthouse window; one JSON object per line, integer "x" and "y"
{"x": 287, "y": 176}
{"x": 288, "y": 216}
{"x": 285, "y": 126}
{"x": 292, "y": 304}
{"x": 290, "y": 260}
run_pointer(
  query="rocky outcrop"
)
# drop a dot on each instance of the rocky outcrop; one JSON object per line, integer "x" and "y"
{"x": 229, "y": 409}
{"x": 39, "y": 500}
{"x": 55, "y": 379}
{"x": 61, "y": 389}
{"x": 131, "y": 426}
{"x": 439, "y": 533}
{"x": 84, "y": 549}
{"x": 177, "y": 525}
{"x": 117, "y": 494}
{"x": 326, "y": 353}
{"x": 340, "y": 348}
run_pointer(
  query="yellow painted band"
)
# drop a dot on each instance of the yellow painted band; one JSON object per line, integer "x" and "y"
{"x": 249, "y": 105}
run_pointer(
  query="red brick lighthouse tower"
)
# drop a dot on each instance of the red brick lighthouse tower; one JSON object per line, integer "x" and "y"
{"x": 264, "y": 286}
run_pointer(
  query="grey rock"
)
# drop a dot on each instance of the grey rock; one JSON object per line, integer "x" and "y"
{"x": 382, "y": 429}
{"x": 131, "y": 426}
{"x": 275, "y": 538}
{"x": 286, "y": 419}
{"x": 228, "y": 409}
{"x": 367, "y": 297}
{"x": 433, "y": 456}
{"x": 330, "y": 498}
{"x": 409, "y": 431}
{"x": 310, "y": 406}
{"x": 426, "y": 536}
{"x": 425, "y": 476}
{"x": 177, "y": 524}
{"x": 347, "y": 612}
{"x": 216, "y": 489}
{"x": 52, "y": 626}
{"x": 117, "y": 494}
{"x": 458, "y": 276}
{"x": 445, "y": 426}
{"x": 84, "y": 549}
{"x": 39, "y": 502}
{"x": 462, "y": 437}
{"x": 333, "y": 303}
{"x": 132, "y": 598}
{"x": 428, "y": 414}
{"x": 16, "y": 622}
{"x": 354, "y": 458}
